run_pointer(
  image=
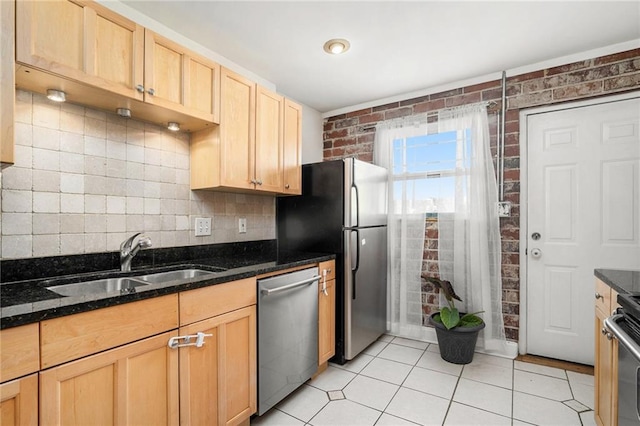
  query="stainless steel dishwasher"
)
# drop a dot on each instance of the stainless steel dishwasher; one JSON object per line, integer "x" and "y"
{"x": 287, "y": 334}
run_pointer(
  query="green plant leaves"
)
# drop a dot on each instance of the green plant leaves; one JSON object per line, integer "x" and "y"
{"x": 470, "y": 320}
{"x": 450, "y": 317}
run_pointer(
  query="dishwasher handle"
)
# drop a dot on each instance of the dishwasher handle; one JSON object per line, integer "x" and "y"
{"x": 267, "y": 292}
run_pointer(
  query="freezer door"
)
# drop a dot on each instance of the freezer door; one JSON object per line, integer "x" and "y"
{"x": 365, "y": 194}
{"x": 365, "y": 289}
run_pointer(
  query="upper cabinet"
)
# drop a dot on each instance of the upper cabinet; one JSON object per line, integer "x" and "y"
{"x": 257, "y": 145}
{"x": 104, "y": 60}
{"x": 292, "y": 148}
{"x": 82, "y": 41}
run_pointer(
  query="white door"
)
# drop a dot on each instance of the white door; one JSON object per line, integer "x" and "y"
{"x": 583, "y": 201}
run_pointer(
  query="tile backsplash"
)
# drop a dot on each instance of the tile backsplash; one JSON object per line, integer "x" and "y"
{"x": 84, "y": 180}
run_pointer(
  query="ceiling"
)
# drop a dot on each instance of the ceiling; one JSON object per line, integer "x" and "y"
{"x": 396, "y": 47}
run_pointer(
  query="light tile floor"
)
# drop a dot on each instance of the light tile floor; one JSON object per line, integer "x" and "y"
{"x": 397, "y": 382}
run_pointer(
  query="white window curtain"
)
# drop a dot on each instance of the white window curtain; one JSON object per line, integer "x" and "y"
{"x": 406, "y": 230}
{"x": 469, "y": 246}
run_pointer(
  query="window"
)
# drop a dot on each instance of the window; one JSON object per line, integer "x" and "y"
{"x": 424, "y": 169}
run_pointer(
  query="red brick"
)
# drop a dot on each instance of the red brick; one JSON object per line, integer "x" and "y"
{"x": 327, "y": 144}
{"x": 365, "y": 156}
{"x": 328, "y": 126}
{"x": 346, "y": 122}
{"x": 569, "y": 67}
{"x": 470, "y": 98}
{"x": 525, "y": 77}
{"x": 359, "y": 113}
{"x": 578, "y": 90}
{"x": 510, "y": 259}
{"x": 511, "y": 334}
{"x": 512, "y": 174}
{"x": 428, "y": 106}
{"x": 483, "y": 86}
{"x": 446, "y": 94}
{"x": 371, "y": 118}
{"x": 413, "y": 101}
{"x": 531, "y": 99}
{"x": 396, "y": 113}
{"x": 344, "y": 142}
{"x": 623, "y": 82}
{"x": 336, "y": 134}
{"x": 366, "y": 138}
{"x": 492, "y": 95}
{"x": 385, "y": 107}
{"x": 337, "y": 117}
{"x": 634, "y": 53}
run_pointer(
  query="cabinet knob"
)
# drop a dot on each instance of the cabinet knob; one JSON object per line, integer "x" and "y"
{"x": 286, "y": 186}
{"x": 599, "y": 296}
{"x": 140, "y": 88}
{"x": 151, "y": 92}
{"x": 259, "y": 182}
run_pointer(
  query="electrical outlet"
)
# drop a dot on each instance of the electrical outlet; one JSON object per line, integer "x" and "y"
{"x": 242, "y": 225}
{"x": 203, "y": 226}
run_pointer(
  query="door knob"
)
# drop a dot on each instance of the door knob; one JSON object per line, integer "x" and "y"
{"x": 536, "y": 253}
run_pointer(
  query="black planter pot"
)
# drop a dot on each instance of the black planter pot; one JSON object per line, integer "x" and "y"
{"x": 458, "y": 344}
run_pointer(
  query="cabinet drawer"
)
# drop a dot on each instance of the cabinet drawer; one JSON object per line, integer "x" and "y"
{"x": 19, "y": 351}
{"x": 75, "y": 336}
{"x": 207, "y": 302}
{"x": 603, "y": 297}
{"x": 330, "y": 267}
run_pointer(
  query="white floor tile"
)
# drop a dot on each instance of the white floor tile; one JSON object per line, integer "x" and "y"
{"x": 584, "y": 379}
{"x": 588, "y": 418}
{"x": 355, "y": 365}
{"x": 417, "y": 344}
{"x": 544, "y": 386}
{"x": 276, "y": 418}
{"x": 433, "y": 347}
{"x": 492, "y": 360}
{"x": 304, "y": 403}
{"x": 388, "y": 371}
{"x": 462, "y": 415}
{"x": 434, "y": 361}
{"x": 542, "y": 411}
{"x": 576, "y": 405}
{"x": 540, "y": 369}
{"x": 370, "y": 392}
{"x": 345, "y": 413}
{"x": 418, "y": 407}
{"x": 389, "y": 420}
{"x": 403, "y": 354}
{"x": 485, "y": 397}
{"x": 583, "y": 394}
{"x": 430, "y": 381}
{"x": 488, "y": 373}
{"x": 386, "y": 338}
{"x": 375, "y": 348}
{"x": 332, "y": 379}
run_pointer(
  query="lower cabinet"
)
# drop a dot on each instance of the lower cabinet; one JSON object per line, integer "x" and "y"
{"x": 606, "y": 359}
{"x": 136, "y": 384}
{"x": 326, "y": 312}
{"x": 218, "y": 379}
{"x": 19, "y": 402}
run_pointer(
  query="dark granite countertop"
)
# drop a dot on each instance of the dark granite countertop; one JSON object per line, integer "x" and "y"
{"x": 28, "y": 301}
{"x": 622, "y": 281}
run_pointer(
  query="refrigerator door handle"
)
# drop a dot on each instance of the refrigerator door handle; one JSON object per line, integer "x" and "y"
{"x": 356, "y": 201}
{"x": 355, "y": 246}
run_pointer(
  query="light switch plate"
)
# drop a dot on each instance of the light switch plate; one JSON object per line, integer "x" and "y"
{"x": 203, "y": 226}
{"x": 504, "y": 208}
{"x": 242, "y": 225}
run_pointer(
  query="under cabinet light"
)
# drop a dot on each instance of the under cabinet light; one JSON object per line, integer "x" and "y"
{"x": 173, "y": 126}
{"x": 124, "y": 112}
{"x": 56, "y": 95}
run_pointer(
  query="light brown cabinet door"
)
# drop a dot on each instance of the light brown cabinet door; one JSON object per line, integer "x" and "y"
{"x": 134, "y": 384}
{"x": 81, "y": 41}
{"x": 218, "y": 380}
{"x": 292, "y": 148}
{"x": 326, "y": 320}
{"x": 603, "y": 371}
{"x": 7, "y": 82}
{"x": 19, "y": 402}
{"x": 269, "y": 141}
{"x": 181, "y": 80}
{"x": 237, "y": 131}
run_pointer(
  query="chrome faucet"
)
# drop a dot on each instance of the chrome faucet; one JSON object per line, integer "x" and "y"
{"x": 127, "y": 253}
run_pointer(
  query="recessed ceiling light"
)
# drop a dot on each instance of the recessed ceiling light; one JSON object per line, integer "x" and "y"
{"x": 335, "y": 46}
{"x": 56, "y": 95}
{"x": 173, "y": 126}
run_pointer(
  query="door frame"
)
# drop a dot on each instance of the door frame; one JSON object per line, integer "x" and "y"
{"x": 524, "y": 169}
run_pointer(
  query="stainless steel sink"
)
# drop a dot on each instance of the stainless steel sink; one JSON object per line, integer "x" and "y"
{"x": 122, "y": 285}
{"x": 181, "y": 274}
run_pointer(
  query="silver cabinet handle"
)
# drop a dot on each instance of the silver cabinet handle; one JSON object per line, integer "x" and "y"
{"x": 151, "y": 92}
{"x": 174, "y": 342}
{"x": 267, "y": 292}
{"x": 599, "y": 296}
{"x": 140, "y": 88}
{"x": 259, "y": 182}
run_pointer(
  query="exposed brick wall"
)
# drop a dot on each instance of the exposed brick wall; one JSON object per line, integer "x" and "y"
{"x": 353, "y": 134}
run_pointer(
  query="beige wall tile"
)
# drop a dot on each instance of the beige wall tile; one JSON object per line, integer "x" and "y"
{"x": 17, "y": 224}
{"x": 46, "y": 223}
{"x": 46, "y": 245}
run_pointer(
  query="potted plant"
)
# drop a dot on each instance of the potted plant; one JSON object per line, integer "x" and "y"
{"x": 457, "y": 332}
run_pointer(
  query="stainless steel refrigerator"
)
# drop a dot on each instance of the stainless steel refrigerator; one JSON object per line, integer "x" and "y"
{"x": 343, "y": 210}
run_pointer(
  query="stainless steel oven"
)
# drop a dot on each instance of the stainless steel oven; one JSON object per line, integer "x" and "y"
{"x": 625, "y": 326}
